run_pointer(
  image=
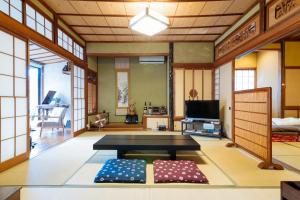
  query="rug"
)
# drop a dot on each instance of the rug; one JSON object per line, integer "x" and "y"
{"x": 284, "y": 138}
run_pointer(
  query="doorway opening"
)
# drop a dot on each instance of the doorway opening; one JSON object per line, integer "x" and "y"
{"x": 49, "y": 99}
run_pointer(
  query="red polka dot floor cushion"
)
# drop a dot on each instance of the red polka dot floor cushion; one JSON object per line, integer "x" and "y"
{"x": 177, "y": 171}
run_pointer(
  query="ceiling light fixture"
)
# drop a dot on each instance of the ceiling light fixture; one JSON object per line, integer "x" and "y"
{"x": 149, "y": 22}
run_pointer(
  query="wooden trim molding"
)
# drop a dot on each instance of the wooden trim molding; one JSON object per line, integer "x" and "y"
{"x": 290, "y": 26}
{"x": 194, "y": 65}
{"x": 126, "y": 54}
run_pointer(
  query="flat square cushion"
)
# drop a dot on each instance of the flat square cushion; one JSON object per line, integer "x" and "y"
{"x": 178, "y": 171}
{"x": 122, "y": 171}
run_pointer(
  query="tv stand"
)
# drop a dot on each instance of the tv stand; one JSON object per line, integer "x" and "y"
{"x": 203, "y": 127}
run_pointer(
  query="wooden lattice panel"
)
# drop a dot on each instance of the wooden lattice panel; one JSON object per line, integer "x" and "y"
{"x": 252, "y": 122}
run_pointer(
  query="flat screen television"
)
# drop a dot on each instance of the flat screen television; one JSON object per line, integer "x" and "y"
{"x": 206, "y": 109}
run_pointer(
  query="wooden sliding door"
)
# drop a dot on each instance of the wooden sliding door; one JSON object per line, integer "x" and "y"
{"x": 79, "y": 103}
{"x": 14, "y": 131}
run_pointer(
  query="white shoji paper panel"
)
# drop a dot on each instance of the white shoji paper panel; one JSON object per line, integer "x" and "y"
{"x": 6, "y": 64}
{"x": 7, "y": 107}
{"x": 7, "y": 128}
{"x": 21, "y": 145}
{"x": 7, "y": 149}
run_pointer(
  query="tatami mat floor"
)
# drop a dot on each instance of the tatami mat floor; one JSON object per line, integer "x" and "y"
{"x": 74, "y": 164}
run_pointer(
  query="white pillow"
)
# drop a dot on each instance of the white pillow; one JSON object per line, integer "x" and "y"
{"x": 286, "y": 121}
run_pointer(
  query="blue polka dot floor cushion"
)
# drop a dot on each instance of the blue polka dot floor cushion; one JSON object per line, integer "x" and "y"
{"x": 178, "y": 171}
{"x": 122, "y": 171}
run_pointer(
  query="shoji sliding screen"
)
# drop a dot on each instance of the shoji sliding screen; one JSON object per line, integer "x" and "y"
{"x": 13, "y": 101}
{"x": 79, "y": 120}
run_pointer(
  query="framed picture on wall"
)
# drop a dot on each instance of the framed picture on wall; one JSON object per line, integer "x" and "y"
{"x": 122, "y": 90}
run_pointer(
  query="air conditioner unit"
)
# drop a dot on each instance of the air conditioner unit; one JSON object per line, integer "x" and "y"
{"x": 152, "y": 60}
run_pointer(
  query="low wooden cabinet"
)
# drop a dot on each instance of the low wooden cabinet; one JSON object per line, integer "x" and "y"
{"x": 153, "y": 121}
{"x": 290, "y": 190}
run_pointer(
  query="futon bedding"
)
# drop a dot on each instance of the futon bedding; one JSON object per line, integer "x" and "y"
{"x": 122, "y": 171}
{"x": 179, "y": 171}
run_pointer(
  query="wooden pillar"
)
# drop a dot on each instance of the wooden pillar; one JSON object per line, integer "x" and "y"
{"x": 282, "y": 77}
{"x": 262, "y": 16}
{"x": 171, "y": 87}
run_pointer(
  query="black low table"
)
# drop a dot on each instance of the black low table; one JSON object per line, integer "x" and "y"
{"x": 124, "y": 143}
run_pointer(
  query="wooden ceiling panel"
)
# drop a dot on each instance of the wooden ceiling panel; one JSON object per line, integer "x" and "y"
{"x": 178, "y": 31}
{"x": 183, "y": 22}
{"x": 210, "y": 37}
{"x": 141, "y": 38}
{"x": 134, "y": 8}
{"x": 124, "y": 38}
{"x": 95, "y": 21}
{"x": 198, "y": 31}
{"x": 205, "y": 21}
{"x": 111, "y": 8}
{"x": 61, "y": 6}
{"x": 177, "y": 38}
{"x": 121, "y": 31}
{"x": 227, "y": 20}
{"x": 102, "y": 30}
{"x": 193, "y": 38}
{"x": 215, "y": 7}
{"x": 164, "y": 8}
{"x": 192, "y": 8}
{"x": 83, "y": 30}
{"x": 117, "y": 21}
{"x": 107, "y": 38}
{"x": 159, "y": 38}
{"x": 91, "y": 37}
{"x": 240, "y": 6}
{"x": 73, "y": 20}
{"x": 83, "y": 15}
{"x": 86, "y": 7}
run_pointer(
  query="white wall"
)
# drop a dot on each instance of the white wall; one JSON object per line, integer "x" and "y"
{"x": 54, "y": 79}
{"x": 268, "y": 75}
{"x": 226, "y": 97}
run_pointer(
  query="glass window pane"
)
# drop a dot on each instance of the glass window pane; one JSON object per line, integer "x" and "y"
{"x": 4, "y": 7}
{"x": 30, "y": 22}
{"x": 40, "y": 29}
{"x": 30, "y": 11}
{"x": 48, "y": 25}
{"x": 17, "y": 4}
{"x": 16, "y": 14}
{"x": 40, "y": 19}
{"x": 48, "y": 34}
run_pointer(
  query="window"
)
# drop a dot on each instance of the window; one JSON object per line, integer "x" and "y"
{"x": 244, "y": 79}
{"x": 92, "y": 92}
{"x": 12, "y": 8}
{"x": 78, "y": 51}
{"x": 65, "y": 41}
{"x": 38, "y": 22}
{"x": 217, "y": 84}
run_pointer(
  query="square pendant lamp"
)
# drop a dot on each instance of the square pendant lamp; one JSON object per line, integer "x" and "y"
{"x": 149, "y": 22}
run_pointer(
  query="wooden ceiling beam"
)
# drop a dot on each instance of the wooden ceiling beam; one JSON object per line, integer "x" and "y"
{"x": 155, "y": 1}
{"x": 144, "y": 41}
{"x": 100, "y": 34}
{"x": 126, "y": 27}
{"x": 170, "y": 16}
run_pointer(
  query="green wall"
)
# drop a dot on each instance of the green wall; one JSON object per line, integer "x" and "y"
{"x": 147, "y": 83}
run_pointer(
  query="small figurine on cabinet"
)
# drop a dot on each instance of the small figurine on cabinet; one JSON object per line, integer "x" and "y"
{"x": 131, "y": 109}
